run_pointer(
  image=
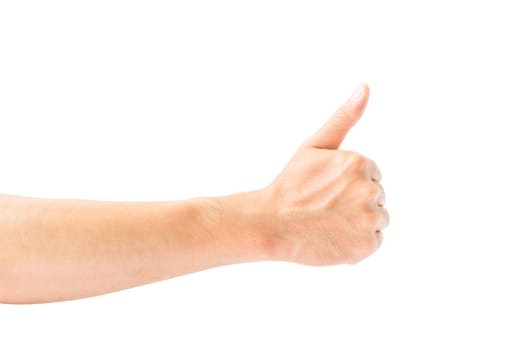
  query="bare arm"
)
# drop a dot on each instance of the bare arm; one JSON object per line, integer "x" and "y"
{"x": 326, "y": 207}
{"x": 63, "y": 249}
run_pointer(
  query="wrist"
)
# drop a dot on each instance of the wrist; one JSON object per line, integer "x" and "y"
{"x": 245, "y": 223}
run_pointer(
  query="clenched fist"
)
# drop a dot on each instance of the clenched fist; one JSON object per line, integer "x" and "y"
{"x": 328, "y": 204}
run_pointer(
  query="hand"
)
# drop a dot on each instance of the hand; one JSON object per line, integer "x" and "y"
{"x": 327, "y": 204}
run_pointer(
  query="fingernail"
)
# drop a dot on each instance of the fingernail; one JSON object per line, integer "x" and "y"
{"x": 358, "y": 93}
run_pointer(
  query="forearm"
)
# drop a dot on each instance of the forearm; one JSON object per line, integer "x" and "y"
{"x": 64, "y": 249}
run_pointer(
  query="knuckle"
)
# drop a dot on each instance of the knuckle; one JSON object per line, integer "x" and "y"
{"x": 369, "y": 220}
{"x": 366, "y": 246}
{"x": 386, "y": 217}
{"x": 343, "y": 157}
{"x": 359, "y": 161}
{"x": 376, "y": 172}
{"x": 370, "y": 191}
{"x": 352, "y": 160}
{"x": 338, "y": 118}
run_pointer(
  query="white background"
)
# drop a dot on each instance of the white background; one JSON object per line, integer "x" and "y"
{"x": 152, "y": 100}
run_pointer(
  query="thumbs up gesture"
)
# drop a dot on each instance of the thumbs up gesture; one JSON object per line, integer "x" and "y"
{"x": 328, "y": 204}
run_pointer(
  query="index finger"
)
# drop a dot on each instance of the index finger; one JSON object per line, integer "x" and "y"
{"x": 374, "y": 171}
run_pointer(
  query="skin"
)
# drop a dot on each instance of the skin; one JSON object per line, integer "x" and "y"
{"x": 324, "y": 208}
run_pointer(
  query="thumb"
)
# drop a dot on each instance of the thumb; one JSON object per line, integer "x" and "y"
{"x": 333, "y": 132}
